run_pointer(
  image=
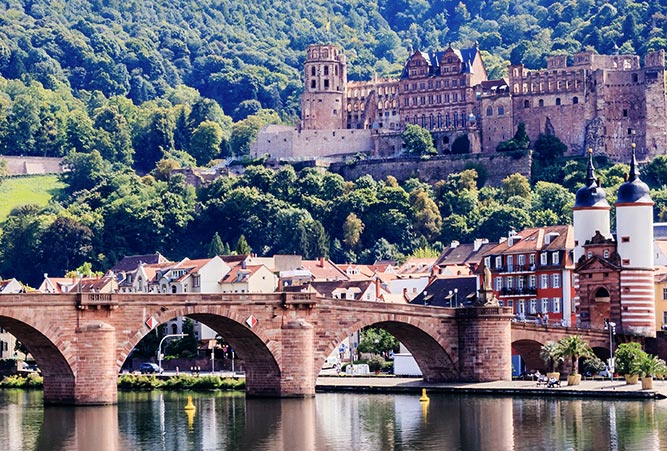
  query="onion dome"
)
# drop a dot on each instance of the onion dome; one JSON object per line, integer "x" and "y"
{"x": 633, "y": 190}
{"x": 591, "y": 195}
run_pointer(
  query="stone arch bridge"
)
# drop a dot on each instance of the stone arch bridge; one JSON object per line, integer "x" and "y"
{"x": 80, "y": 341}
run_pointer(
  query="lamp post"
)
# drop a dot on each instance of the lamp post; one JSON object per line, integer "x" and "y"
{"x": 611, "y": 327}
{"x": 159, "y": 348}
{"x": 456, "y": 297}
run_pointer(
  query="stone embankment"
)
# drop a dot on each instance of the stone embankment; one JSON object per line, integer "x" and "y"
{"x": 587, "y": 389}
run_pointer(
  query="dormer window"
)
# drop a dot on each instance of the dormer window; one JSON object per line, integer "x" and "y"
{"x": 543, "y": 258}
{"x": 555, "y": 258}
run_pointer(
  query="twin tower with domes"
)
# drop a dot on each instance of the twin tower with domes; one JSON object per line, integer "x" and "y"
{"x": 614, "y": 275}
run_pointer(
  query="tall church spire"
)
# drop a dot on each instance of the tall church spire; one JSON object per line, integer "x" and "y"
{"x": 633, "y": 165}
{"x": 590, "y": 173}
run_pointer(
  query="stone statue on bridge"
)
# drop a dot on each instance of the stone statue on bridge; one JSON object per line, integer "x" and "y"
{"x": 485, "y": 297}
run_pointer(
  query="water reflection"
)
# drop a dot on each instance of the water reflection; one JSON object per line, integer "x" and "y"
{"x": 157, "y": 421}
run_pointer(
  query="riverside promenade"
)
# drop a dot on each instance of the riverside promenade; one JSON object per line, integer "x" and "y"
{"x": 587, "y": 389}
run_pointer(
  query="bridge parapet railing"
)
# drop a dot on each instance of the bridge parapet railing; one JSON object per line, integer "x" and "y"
{"x": 473, "y": 312}
{"x": 96, "y": 300}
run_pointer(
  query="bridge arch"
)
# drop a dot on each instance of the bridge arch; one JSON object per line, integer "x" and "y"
{"x": 45, "y": 344}
{"x": 260, "y": 352}
{"x": 435, "y": 354}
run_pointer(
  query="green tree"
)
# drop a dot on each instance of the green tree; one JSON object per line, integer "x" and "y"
{"x": 574, "y": 347}
{"x": 242, "y": 247}
{"x": 377, "y": 341}
{"x": 215, "y": 247}
{"x": 418, "y": 141}
{"x": 205, "y": 142}
{"x": 352, "y": 229}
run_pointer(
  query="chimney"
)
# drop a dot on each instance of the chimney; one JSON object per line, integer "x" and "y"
{"x": 478, "y": 243}
{"x": 377, "y": 289}
{"x": 454, "y": 244}
{"x": 244, "y": 264}
{"x": 321, "y": 262}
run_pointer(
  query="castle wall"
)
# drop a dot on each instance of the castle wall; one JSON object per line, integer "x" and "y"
{"x": 283, "y": 142}
{"x": 498, "y": 167}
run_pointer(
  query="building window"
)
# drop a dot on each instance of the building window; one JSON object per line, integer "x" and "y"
{"x": 531, "y": 259}
{"x": 196, "y": 281}
{"x": 543, "y": 258}
{"x": 510, "y": 283}
{"x": 554, "y": 258}
{"x": 312, "y": 71}
{"x": 555, "y": 280}
{"x": 557, "y": 101}
{"x": 499, "y": 283}
{"x": 489, "y": 111}
{"x": 664, "y": 293}
{"x": 544, "y": 281}
{"x": 606, "y": 253}
{"x": 521, "y": 308}
{"x": 545, "y": 305}
{"x": 510, "y": 263}
{"x": 625, "y": 239}
{"x": 501, "y": 111}
{"x": 556, "y": 305}
{"x": 533, "y": 306}
{"x": 541, "y": 102}
{"x": 487, "y": 262}
{"x": 532, "y": 282}
{"x": 575, "y": 100}
{"x": 519, "y": 283}
{"x": 521, "y": 260}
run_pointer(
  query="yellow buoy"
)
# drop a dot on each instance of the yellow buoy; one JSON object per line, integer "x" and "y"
{"x": 424, "y": 398}
{"x": 190, "y": 405}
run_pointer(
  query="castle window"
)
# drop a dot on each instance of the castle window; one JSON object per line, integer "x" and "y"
{"x": 559, "y": 85}
{"x": 393, "y": 89}
{"x": 312, "y": 71}
{"x": 631, "y": 131}
{"x": 356, "y": 107}
{"x": 454, "y": 82}
{"x": 557, "y": 101}
{"x": 386, "y": 104}
{"x": 326, "y": 70}
{"x": 431, "y": 121}
{"x": 575, "y": 100}
{"x": 424, "y": 120}
{"x": 456, "y": 119}
{"x": 541, "y": 102}
{"x": 313, "y": 84}
{"x": 635, "y": 78}
{"x": 455, "y": 97}
{"x": 406, "y": 101}
{"x": 625, "y": 113}
{"x": 489, "y": 111}
{"x": 437, "y": 84}
{"x": 439, "y": 120}
{"x": 380, "y": 105}
{"x": 393, "y": 103}
{"x": 526, "y": 103}
{"x": 336, "y": 70}
{"x": 501, "y": 110}
{"x": 326, "y": 84}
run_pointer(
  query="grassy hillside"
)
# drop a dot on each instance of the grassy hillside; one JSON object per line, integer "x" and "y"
{"x": 37, "y": 189}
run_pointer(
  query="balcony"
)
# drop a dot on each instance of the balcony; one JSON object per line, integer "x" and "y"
{"x": 509, "y": 292}
{"x": 514, "y": 269}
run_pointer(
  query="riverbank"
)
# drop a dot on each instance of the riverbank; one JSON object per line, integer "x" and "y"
{"x": 587, "y": 389}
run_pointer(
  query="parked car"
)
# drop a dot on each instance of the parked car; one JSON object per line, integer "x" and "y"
{"x": 149, "y": 368}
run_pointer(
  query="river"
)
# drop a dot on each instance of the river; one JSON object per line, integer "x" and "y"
{"x": 155, "y": 421}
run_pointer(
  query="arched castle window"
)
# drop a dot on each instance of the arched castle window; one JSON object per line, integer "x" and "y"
{"x": 447, "y": 123}
{"x": 386, "y": 104}
{"x": 349, "y": 107}
{"x": 526, "y": 103}
{"x": 380, "y": 105}
{"x": 516, "y": 88}
{"x": 575, "y": 100}
{"x": 501, "y": 110}
{"x": 362, "y": 106}
{"x": 424, "y": 120}
{"x": 541, "y": 102}
{"x": 356, "y": 107}
{"x": 393, "y": 103}
{"x": 456, "y": 119}
{"x": 557, "y": 101}
{"x": 439, "y": 120}
{"x": 489, "y": 111}
{"x": 431, "y": 121}
{"x": 415, "y": 120}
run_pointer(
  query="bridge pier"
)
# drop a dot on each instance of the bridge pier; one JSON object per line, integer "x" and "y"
{"x": 96, "y": 376}
{"x": 298, "y": 376}
{"x": 485, "y": 343}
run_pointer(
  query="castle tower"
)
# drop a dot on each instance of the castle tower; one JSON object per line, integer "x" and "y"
{"x": 590, "y": 211}
{"x": 634, "y": 236}
{"x": 323, "y": 99}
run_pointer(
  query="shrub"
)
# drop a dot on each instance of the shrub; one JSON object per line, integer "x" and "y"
{"x": 375, "y": 363}
{"x": 33, "y": 380}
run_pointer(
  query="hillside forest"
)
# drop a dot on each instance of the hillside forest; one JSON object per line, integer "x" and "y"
{"x": 126, "y": 91}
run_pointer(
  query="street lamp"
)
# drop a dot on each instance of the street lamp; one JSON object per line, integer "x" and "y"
{"x": 159, "y": 348}
{"x": 611, "y": 327}
{"x": 456, "y": 297}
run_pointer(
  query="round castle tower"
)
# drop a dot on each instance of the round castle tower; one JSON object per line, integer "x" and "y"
{"x": 634, "y": 237}
{"x": 325, "y": 77}
{"x": 590, "y": 212}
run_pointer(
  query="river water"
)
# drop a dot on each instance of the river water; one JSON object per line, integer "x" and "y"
{"x": 155, "y": 421}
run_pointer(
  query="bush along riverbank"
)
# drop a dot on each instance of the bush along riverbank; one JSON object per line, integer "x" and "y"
{"x": 131, "y": 382}
{"x": 180, "y": 382}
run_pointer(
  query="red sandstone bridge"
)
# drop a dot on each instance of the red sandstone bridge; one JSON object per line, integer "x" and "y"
{"x": 80, "y": 341}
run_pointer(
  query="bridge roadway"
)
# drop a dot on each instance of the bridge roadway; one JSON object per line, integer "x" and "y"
{"x": 80, "y": 341}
